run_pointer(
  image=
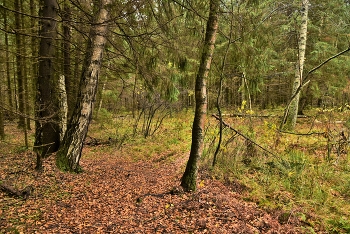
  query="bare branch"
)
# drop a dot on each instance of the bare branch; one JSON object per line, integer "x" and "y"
{"x": 245, "y": 137}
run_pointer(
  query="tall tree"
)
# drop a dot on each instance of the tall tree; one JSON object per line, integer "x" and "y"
{"x": 8, "y": 62}
{"x": 34, "y": 52}
{"x": 47, "y": 134}
{"x": 189, "y": 178}
{"x": 19, "y": 64}
{"x": 2, "y": 130}
{"x": 26, "y": 71}
{"x": 69, "y": 154}
{"x": 292, "y": 114}
{"x": 66, "y": 17}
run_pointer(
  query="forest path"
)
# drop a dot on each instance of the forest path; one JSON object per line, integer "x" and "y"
{"x": 117, "y": 195}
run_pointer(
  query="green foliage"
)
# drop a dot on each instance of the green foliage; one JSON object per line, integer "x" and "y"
{"x": 62, "y": 162}
{"x": 172, "y": 91}
{"x": 341, "y": 225}
{"x": 172, "y": 136}
{"x": 104, "y": 117}
{"x": 21, "y": 149}
{"x": 296, "y": 175}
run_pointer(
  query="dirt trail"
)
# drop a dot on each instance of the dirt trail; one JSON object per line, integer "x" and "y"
{"x": 116, "y": 195}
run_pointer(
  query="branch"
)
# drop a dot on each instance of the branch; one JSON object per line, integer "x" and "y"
{"x": 303, "y": 134}
{"x": 326, "y": 61}
{"x": 305, "y": 82}
{"x": 245, "y": 137}
{"x": 24, "y": 193}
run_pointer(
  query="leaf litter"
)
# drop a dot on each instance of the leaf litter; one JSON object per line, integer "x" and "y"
{"x": 115, "y": 194}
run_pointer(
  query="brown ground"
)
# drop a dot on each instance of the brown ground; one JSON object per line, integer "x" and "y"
{"x": 117, "y": 195}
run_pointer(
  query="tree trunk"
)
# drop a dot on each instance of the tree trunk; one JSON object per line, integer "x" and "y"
{"x": 101, "y": 96}
{"x": 19, "y": 66}
{"x": 189, "y": 178}
{"x": 69, "y": 154}
{"x": 220, "y": 90}
{"x": 293, "y": 107}
{"x": 8, "y": 69}
{"x": 67, "y": 58}
{"x": 2, "y": 130}
{"x": 63, "y": 104}
{"x": 25, "y": 73}
{"x": 47, "y": 134}
{"x": 34, "y": 49}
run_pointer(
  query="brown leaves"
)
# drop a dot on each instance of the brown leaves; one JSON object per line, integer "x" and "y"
{"x": 116, "y": 195}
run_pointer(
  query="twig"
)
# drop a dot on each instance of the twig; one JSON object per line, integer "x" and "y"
{"x": 303, "y": 134}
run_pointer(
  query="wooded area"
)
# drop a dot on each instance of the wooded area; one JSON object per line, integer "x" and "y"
{"x": 123, "y": 73}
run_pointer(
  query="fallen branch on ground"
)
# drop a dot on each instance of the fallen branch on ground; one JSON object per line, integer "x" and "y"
{"x": 248, "y": 115}
{"x": 94, "y": 141}
{"x": 24, "y": 193}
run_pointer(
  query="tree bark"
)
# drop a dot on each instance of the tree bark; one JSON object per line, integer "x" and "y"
{"x": 34, "y": 49}
{"x": 63, "y": 104}
{"x": 26, "y": 99}
{"x": 69, "y": 154}
{"x": 293, "y": 107}
{"x": 2, "y": 130}
{"x": 19, "y": 66}
{"x": 47, "y": 134}
{"x": 7, "y": 57}
{"x": 67, "y": 71}
{"x": 189, "y": 178}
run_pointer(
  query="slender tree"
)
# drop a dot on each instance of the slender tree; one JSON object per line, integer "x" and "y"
{"x": 8, "y": 62}
{"x": 26, "y": 72}
{"x": 47, "y": 134}
{"x": 291, "y": 117}
{"x": 2, "y": 130}
{"x": 221, "y": 81}
{"x": 189, "y": 178}
{"x": 69, "y": 154}
{"x": 67, "y": 71}
{"x": 19, "y": 65}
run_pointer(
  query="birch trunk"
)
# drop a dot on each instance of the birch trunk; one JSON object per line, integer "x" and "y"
{"x": 69, "y": 154}
{"x": 291, "y": 118}
{"x": 63, "y": 104}
{"x": 189, "y": 178}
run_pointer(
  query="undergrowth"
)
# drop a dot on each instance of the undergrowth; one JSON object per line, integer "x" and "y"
{"x": 305, "y": 174}
{"x": 173, "y": 136}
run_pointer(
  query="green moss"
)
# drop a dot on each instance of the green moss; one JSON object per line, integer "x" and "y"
{"x": 62, "y": 161}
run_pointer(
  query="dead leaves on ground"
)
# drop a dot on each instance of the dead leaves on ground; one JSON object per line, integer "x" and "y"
{"x": 116, "y": 195}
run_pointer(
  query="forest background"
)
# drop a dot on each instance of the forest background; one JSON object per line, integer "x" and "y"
{"x": 146, "y": 87}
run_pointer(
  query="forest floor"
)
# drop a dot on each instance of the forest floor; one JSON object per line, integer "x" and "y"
{"x": 116, "y": 194}
{"x": 130, "y": 183}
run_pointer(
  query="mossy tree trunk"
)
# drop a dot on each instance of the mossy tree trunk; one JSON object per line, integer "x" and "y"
{"x": 189, "y": 178}
{"x": 292, "y": 115}
{"x": 69, "y": 153}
